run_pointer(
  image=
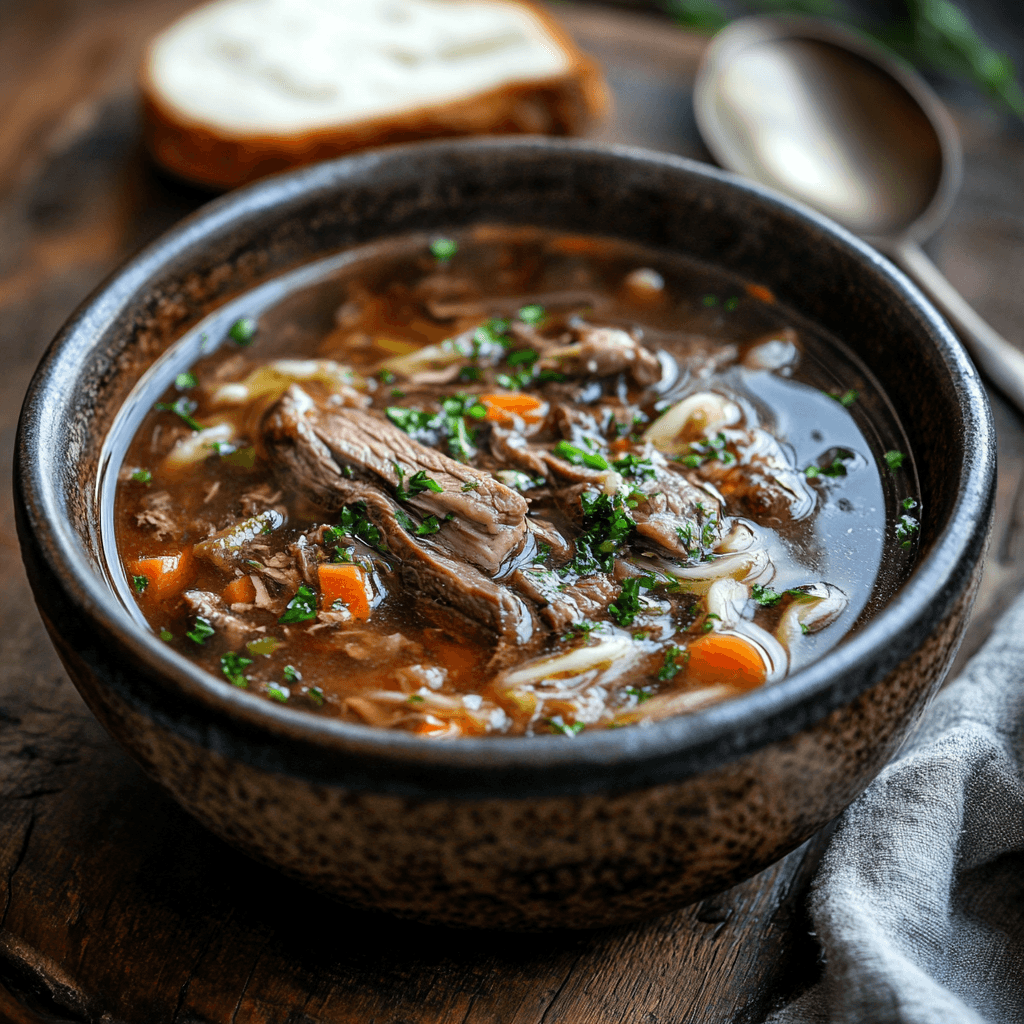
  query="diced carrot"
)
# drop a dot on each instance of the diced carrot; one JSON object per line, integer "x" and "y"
{"x": 166, "y": 575}
{"x": 240, "y": 591}
{"x": 345, "y": 583}
{"x": 760, "y": 292}
{"x": 503, "y": 407}
{"x": 725, "y": 658}
{"x": 431, "y": 726}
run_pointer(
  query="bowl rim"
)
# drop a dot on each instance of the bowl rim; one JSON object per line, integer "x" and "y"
{"x": 722, "y": 732}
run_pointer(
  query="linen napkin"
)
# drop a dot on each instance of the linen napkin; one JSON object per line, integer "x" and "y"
{"x": 919, "y": 900}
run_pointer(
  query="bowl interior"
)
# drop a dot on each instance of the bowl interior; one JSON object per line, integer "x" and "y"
{"x": 276, "y": 226}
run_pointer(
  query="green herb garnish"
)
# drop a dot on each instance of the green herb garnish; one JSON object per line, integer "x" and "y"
{"x": 630, "y": 465}
{"x": 184, "y": 381}
{"x": 165, "y": 635}
{"x": 579, "y": 457}
{"x": 908, "y": 504}
{"x": 532, "y": 314}
{"x": 635, "y": 691}
{"x": 353, "y": 522}
{"x": 557, "y": 724}
{"x": 301, "y": 608}
{"x": 142, "y": 476}
{"x": 906, "y": 527}
{"x": 470, "y": 485}
{"x": 627, "y": 606}
{"x": 278, "y": 693}
{"x": 418, "y": 483}
{"x": 607, "y": 525}
{"x": 233, "y": 665}
{"x": 314, "y": 693}
{"x": 443, "y": 249}
{"x": 242, "y": 330}
{"x": 670, "y": 667}
{"x": 200, "y": 631}
{"x": 291, "y": 674}
{"x": 140, "y": 583}
{"x": 894, "y": 460}
{"x": 704, "y": 451}
{"x": 765, "y": 596}
{"x": 182, "y": 407}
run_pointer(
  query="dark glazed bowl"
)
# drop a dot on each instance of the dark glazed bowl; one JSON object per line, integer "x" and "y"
{"x": 526, "y": 832}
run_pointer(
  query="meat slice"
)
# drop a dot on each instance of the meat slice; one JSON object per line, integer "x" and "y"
{"x": 564, "y": 604}
{"x": 763, "y": 481}
{"x": 212, "y": 608}
{"x": 331, "y": 455}
{"x": 602, "y": 351}
{"x": 678, "y": 515}
{"x": 429, "y": 570}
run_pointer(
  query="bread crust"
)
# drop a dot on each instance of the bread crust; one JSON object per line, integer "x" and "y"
{"x": 199, "y": 153}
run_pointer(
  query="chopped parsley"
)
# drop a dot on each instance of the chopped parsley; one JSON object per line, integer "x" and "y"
{"x": 182, "y": 407}
{"x": 522, "y": 357}
{"x": 470, "y": 485}
{"x": 607, "y": 525}
{"x": 430, "y": 428}
{"x": 242, "y": 330}
{"x": 906, "y": 527}
{"x": 418, "y": 483}
{"x": 846, "y": 399}
{"x": 836, "y": 468}
{"x": 431, "y": 525}
{"x": 515, "y": 381}
{"x": 301, "y": 608}
{"x": 142, "y": 476}
{"x": 314, "y": 693}
{"x": 894, "y": 460}
{"x": 443, "y": 249}
{"x": 386, "y": 376}
{"x": 200, "y": 631}
{"x": 184, "y": 381}
{"x": 166, "y": 635}
{"x": 543, "y": 550}
{"x": 532, "y": 314}
{"x": 704, "y": 451}
{"x": 635, "y": 691}
{"x": 709, "y": 622}
{"x": 765, "y": 596}
{"x": 469, "y": 374}
{"x": 630, "y": 465}
{"x": 278, "y": 693}
{"x": 354, "y": 523}
{"x": 627, "y": 606}
{"x": 670, "y": 667}
{"x": 558, "y": 724}
{"x": 233, "y": 666}
{"x": 291, "y": 674}
{"x": 709, "y": 301}
{"x": 580, "y": 629}
{"x": 908, "y": 504}
{"x": 732, "y": 303}
{"x": 579, "y": 457}
{"x": 140, "y": 583}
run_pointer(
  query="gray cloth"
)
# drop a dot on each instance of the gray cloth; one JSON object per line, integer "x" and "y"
{"x": 919, "y": 900}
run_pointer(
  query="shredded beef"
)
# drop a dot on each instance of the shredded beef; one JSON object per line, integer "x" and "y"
{"x": 212, "y": 608}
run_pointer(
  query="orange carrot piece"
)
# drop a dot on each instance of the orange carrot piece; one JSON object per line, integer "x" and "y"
{"x": 166, "y": 575}
{"x": 240, "y": 591}
{"x": 725, "y": 658}
{"x": 503, "y": 407}
{"x": 760, "y": 292}
{"x": 345, "y": 583}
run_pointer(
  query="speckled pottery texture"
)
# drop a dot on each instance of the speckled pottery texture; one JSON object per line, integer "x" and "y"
{"x": 528, "y": 832}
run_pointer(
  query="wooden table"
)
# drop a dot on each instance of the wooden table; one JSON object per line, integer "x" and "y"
{"x": 114, "y": 905}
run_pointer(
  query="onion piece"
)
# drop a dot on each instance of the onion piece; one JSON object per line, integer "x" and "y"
{"x": 572, "y": 663}
{"x": 272, "y": 380}
{"x": 690, "y": 419}
{"x": 819, "y": 605}
{"x": 741, "y": 566}
{"x": 196, "y": 447}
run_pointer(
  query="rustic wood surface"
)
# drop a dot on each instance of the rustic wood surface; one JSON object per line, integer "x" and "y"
{"x": 114, "y": 905}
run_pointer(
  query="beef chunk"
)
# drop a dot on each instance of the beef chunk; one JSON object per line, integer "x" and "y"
{"x": 763, "y": 483}
{"x": 228, "y": 546}
{"x": 211, "y": 607}
{"x": 331, "y": 455}
{"x": 157, "y": 515}
{"x": 602, "y": 351}
{"x": 429, "y": 570}
{"x": 564, "y": 604}
{"x": 678, "y": 515}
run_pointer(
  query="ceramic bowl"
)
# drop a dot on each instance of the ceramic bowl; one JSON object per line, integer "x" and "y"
{"x": 516, "y": 832}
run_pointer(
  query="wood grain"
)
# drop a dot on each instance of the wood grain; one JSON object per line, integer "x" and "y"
{"x": 114, "y": 905}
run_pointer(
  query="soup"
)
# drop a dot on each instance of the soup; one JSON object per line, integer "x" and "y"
{"x": 512, "y": 483}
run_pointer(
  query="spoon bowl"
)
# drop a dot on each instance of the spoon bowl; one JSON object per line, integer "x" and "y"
{"x": 826, "y": 117}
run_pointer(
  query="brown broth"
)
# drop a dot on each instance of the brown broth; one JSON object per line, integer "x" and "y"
{"x": 419, "y": 665}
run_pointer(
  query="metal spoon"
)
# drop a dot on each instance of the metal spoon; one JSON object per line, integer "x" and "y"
{"x": 819, "y": 113}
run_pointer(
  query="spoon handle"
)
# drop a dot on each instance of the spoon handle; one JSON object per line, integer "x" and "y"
{"x": 996, "y": 357}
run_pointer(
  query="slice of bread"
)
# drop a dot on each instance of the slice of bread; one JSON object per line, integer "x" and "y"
{"x": 238, "y": 89}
